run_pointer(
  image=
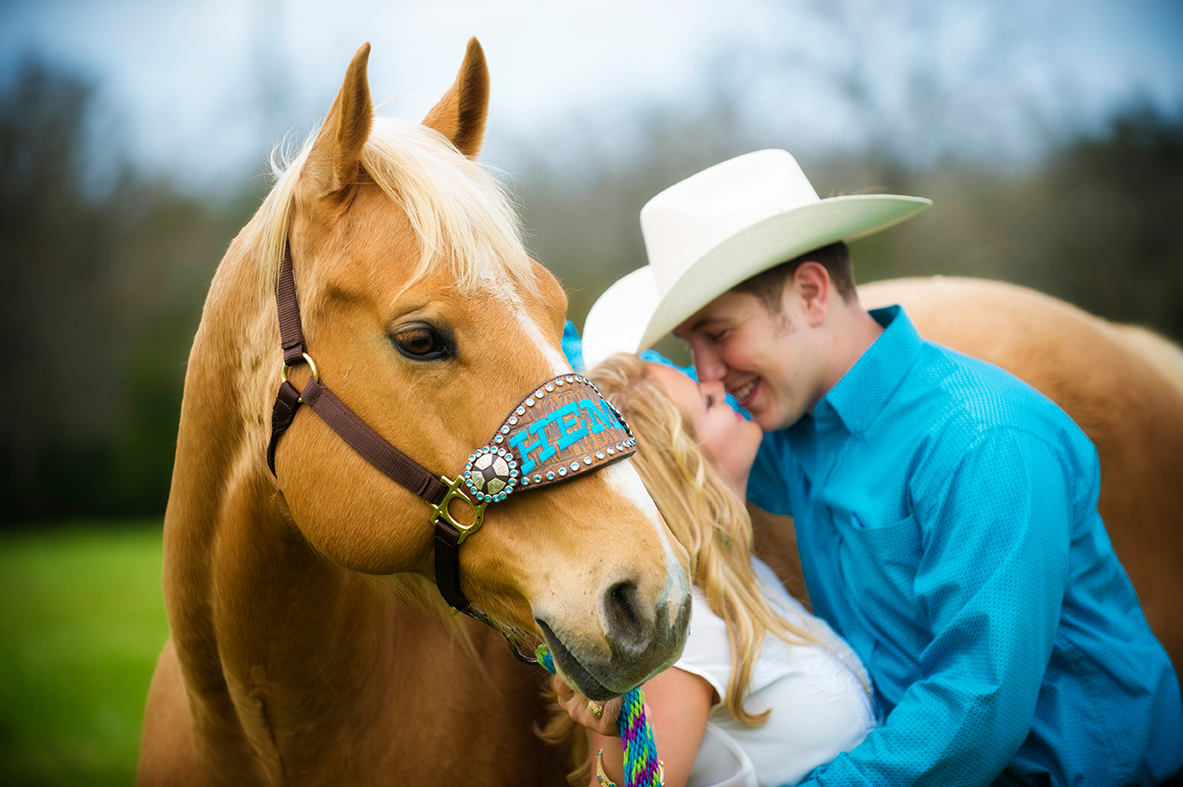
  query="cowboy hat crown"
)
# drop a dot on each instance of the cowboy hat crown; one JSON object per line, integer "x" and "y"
{"x": 718, "y": 228}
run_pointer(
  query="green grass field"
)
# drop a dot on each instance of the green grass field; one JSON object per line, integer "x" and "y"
{"x": 81, "y": 623}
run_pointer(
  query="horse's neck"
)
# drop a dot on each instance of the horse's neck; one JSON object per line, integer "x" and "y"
{"x": 279, "y": 650}
{"x": 260, "y": 622}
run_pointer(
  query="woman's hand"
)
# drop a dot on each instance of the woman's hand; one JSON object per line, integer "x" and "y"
{"x": 579, "y": 708}
{"x": 678, "y": 704}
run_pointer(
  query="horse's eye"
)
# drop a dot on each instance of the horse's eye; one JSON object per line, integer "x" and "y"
{"x": 421, "y": 343}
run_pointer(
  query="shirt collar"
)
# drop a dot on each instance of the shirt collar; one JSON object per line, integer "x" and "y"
{"x": 864, "y": 390}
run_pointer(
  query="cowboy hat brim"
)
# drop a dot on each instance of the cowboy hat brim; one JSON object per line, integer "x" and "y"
{"x": 632, "y": 315}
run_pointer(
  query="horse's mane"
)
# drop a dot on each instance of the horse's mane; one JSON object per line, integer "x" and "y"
{"x": 458, "y": 211}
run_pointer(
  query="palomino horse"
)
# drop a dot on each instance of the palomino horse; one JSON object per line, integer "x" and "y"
{"x": 1122, "y": 385}
{"x": 307, "y": 642}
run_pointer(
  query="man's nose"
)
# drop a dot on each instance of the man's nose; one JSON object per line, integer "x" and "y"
{"x": 709, "y": 365}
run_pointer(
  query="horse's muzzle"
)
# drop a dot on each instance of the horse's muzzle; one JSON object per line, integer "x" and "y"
{"x": 640, "y": 644}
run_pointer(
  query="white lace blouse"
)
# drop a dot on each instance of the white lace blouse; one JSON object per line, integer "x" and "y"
{"x": 819, "y": 698}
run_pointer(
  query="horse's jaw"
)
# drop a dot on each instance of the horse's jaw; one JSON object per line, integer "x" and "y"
{"x": 603, "y": 679}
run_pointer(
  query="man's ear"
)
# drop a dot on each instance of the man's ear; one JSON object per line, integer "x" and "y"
{"x": 812, "y": 287}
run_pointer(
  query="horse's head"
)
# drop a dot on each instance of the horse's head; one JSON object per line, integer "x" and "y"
{"x": 425, "y": 316}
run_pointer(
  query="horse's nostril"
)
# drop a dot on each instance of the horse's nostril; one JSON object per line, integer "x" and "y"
{"x": 627, "y": 628}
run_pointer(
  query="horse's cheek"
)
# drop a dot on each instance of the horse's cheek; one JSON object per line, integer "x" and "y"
{"x": 358, "y": 527}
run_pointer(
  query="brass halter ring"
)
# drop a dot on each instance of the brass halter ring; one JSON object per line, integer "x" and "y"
{"x": 456, "y": 492}
{"x": 283, "y": 372}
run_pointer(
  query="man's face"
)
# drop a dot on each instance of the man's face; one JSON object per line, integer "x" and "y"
{"x": 773, "y": 364}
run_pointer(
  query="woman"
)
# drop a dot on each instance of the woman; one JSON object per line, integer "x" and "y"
{"x": 764, "y": 691}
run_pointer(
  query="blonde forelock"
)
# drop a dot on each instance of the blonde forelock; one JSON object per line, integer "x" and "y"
{"x": 461, "y": 215}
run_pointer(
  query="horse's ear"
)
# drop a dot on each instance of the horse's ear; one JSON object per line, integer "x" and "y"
{"x": 335, "y": 157}
{"x": 460, "y": 114}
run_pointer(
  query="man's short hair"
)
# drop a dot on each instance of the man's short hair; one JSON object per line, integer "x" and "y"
{"x": 769, "y": 286}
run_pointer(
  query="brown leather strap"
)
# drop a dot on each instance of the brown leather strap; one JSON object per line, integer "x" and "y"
{"x": 447, "y": 579}
{"x": 291, "y": 332}
{"x": 447, "y": 566}
{"x": 394, "y": 463}
{"x": 287, "y": 400}
{"x": 399, "y": 467}
{"x": 369, "y": 444}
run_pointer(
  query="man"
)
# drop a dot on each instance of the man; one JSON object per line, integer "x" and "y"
{"x": 945, "y": 511}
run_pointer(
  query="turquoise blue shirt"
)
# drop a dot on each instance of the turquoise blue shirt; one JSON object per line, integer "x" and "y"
{"x": 947, "y": 519}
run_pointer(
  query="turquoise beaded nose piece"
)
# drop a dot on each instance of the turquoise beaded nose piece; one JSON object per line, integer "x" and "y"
{"x": 564, "y": 429}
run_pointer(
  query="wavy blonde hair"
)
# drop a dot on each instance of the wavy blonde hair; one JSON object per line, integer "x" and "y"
{"x": 707, "y": 517}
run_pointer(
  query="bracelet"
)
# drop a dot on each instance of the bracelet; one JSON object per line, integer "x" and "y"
{"x": 601, "y": 777}
{"x": 603, "y": 780}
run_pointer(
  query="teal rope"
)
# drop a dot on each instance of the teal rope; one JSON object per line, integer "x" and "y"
{"x": 641, "y": 767}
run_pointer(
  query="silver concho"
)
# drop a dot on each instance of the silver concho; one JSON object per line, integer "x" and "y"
{"x": 490, "y": 474}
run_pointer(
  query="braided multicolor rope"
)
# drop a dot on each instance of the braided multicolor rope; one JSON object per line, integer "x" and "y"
{"x": 641, "y": 767}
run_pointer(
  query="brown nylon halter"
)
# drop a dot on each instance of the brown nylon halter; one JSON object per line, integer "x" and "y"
{"x": 440, "y": 491}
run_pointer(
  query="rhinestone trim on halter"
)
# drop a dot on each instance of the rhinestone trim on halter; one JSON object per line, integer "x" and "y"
{"x": 565, "y": 427}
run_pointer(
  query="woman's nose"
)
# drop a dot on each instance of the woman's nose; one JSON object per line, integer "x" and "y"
{"x": 714, "y": 389}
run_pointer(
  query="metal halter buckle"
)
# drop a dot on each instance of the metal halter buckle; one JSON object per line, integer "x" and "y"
{"x": 456, "y": 492}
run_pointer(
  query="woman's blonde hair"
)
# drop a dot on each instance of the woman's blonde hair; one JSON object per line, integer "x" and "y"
{"x": 706, "y": 516}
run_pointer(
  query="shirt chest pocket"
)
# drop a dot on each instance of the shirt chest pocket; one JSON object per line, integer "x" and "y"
{"x": 879, "y": 566}
{"x": 879, "y": 560}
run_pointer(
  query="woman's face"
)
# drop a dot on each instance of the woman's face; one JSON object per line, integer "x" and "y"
{"x": 730, "y": 440}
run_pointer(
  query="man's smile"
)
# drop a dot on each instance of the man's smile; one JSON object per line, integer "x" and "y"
{"x": 742, "y": 393}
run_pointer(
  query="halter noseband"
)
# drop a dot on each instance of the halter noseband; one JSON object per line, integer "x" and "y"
{"x": 561, "y": 430}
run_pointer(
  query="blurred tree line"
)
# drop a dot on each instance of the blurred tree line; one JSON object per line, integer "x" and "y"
{"x": 1094, "y": 223}
{"x": 100, "y": 294}
{"x": 101, "y": 290}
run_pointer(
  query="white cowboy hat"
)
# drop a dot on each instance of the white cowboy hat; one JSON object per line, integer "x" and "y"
{"x": 719, "y": 228}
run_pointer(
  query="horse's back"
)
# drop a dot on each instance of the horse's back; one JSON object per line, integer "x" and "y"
{"x": 1123, "y": 386}
{"x": 1164, "y": 355}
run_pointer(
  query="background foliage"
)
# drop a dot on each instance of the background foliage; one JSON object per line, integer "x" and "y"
{"x": 101, "y": 289}
{"x": 1002, "y": 112}
{"x": 83, "y": 625}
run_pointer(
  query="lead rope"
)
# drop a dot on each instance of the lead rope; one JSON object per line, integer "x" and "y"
{"x": 641, "y": 766}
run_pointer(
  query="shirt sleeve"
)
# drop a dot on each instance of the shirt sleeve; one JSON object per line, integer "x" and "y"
{"x": 991, "y": 579}
{"x": 708, "y": 646}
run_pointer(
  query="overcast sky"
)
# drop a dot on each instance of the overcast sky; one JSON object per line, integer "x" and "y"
{"x": 200, "y": 89}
